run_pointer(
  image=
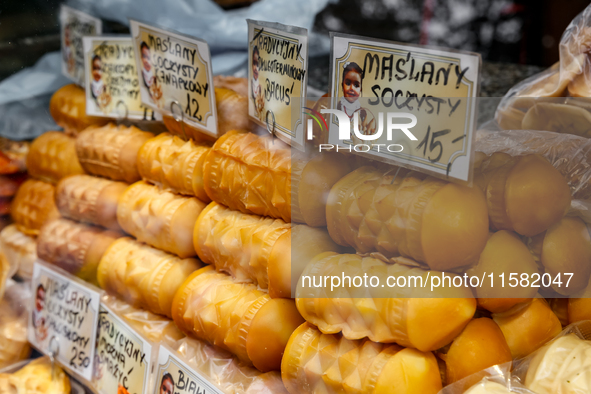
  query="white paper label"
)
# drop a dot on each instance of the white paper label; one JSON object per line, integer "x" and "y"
{"x": 63, "y": 318}
{"x": 75, "y": 25}
{"x": 123, "y": 358}
{"x": 174, "y": 376}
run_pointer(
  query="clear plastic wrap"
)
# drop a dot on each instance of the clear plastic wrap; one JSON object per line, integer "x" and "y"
{"x": 52, "y": 156}
{"x": 68, "y": 109}
{"x": 90, "y": 199}
{"x": 528, "y": 326}
{"x": 311, "y": 181}
{"x": 524, "y": 193}
{"x": 159, "y": 218}
{"x": 237, "y": 243}
{"x": 555, "y": 100}
{"x": 174, "y": 164}
{"x": 143, "y": 276}
{"x": 155, "y": 328}
{"x": 33, "y": 205}
{"x": 323, "y": 363}
{"x": 383, "y": 314}
{"x": 400, "y": 212}
{"x": 14, "y": 346}
{"x": 493, "y": 380}
{"x": 562, "y": 366}
{"x": 19, "y": 250}
{"x": 250, "y": 174}
{"x": 479, "y": 346}
{"x": 75, "y": 247}
{"x": 237, "y": 317}
{"x": 569, "y": 154}
{"x": 221, "y": 367}
{"x": 39, "y": 376}
{"x": 111, "y": 151}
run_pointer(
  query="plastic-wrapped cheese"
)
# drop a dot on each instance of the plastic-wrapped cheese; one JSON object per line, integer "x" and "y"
{"x": 38, "y": 377}
{"x": 19, "y": 249}
{"x": 33, "y": 205}
{"x": 291, "y": 254}
{"x": 90, "y": 199}
{"x": 232, "y": 111}
{"x": 75, "y": 247}
{"x": 159, "y": 218}
{"x": 383, "y": 314}
{"x": 68, "y": 108}
{"x": 481, "y": 345}
{"x": 528, "y": 326}
{"x": 174, "y": 164}
{"x": 250, "y": 174}
{"x": 111, "y": 151}
{"x": 504, "y": 253}
{"x": 52, "y": 156}
{"x": 525, "y": 194}
{"x": 143, "y": 276}
{"x": 488, "y": 387}
{"x": 561, "y": 367}
{"x": 237, "y": 243}
{"x": 566, "y": 248}
{"x": 322, "y": 363}
{"x": 312, "y": 179}
{"x": 406, "y": 213}
{"x": 237, "y": 317}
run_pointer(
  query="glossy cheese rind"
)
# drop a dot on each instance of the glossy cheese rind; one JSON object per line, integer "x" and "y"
{"x": 174, "y": 164}
{"x": 403, "y": 315}
{"x": 143, "y": 276}
{"x": 111, "y": 151}
{"x": 237, "y": 317}
{"x": 250, "y": 174}
{"x": 52, "y": 156}
{"x": 90, "y": 199}
{"x": 406, "y": 213}
{"x": 68, "y": 108}
{"x": 33, "y": 205}
{"x": 74, "y": 247}
{"x": 323, "y": 363}
{"x": 159, "y": 218}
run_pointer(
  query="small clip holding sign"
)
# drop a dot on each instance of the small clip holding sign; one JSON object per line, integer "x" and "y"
{"x": 189, "y": 83}
{"x": 277, "y": 79}
{"x": 75, "y": 25}
{"x": 180, "y": 117}
{"x": 53, "y": 350}
{"x": 64, "y": 317}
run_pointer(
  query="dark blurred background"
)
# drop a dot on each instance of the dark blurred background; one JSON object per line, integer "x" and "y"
{"x": 518, "y": 31}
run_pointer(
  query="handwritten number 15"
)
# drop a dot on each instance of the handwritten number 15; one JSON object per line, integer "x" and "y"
{"x": 434, "y": 144}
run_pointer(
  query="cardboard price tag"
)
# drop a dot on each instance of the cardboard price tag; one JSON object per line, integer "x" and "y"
{"x": 112, "y": 79}
{"x": 409, "y": 105}
{"x": 63, "y": 318}
{"x": 175, "y": 376}
{"x": 123, "y": 361}
{"x": 175, "y": 76}
{"x": 278, "y": 78}
{"x": 74, "y": 26}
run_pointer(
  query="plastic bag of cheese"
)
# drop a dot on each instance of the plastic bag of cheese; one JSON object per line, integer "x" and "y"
{"x": 494, "y": 380}
{"x": 562, "y": 366}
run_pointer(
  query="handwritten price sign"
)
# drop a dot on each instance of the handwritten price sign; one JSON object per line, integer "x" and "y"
{"x": 63, "y": 318}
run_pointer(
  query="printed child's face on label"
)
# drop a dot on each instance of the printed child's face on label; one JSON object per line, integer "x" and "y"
{"x": 40, "y": 299}
{"x": 167, "y": 387}
{"x": 146, "y": 58}
{"x": 96, "y": 69}
{"x": 255, "y": 65}
{"x": 352, "y": 86}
